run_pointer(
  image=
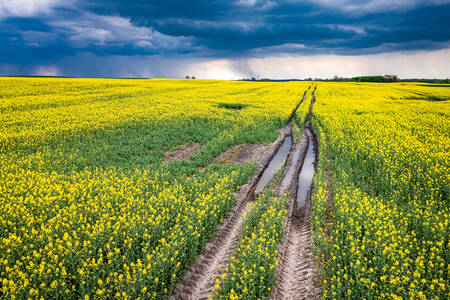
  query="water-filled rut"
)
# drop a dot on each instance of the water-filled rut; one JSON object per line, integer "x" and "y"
{"x": 296, "y": 268}
{"x": 307, "y": 173}
{"x": 197, "y": 282}
{"x": 275, "y": 165}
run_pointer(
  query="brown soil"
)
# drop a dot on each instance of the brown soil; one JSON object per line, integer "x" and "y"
{"x": 184, "y": 153}
{"x": 296, "y": 272}
{"x": 242, "y": 153}
{"x": 198, "y": 281}
{"x": 296, "y": 269}
{"x": 294, "y": 165}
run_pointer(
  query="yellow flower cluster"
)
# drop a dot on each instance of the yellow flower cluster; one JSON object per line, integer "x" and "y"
{"x": 89, "y": 209}
{"x": 385, "y": 235}
{"x": 251, "y": 272}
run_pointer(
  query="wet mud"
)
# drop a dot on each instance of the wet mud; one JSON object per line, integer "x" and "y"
{"x": 297, "y": 268}
{"x": 198, "y": 282}
{"x": 275, "y": 165}
{"x": 184, "y": 153}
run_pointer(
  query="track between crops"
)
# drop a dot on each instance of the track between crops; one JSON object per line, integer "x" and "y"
{"x": 296, "y": 270}
{"x": 198, "y": 281}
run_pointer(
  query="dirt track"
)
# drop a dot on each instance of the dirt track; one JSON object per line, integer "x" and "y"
{"x": 296, "y": 269}
{"x": 197, "y": 283}
{"x": 296, "y": 272}
{"x": 201, "y": 281}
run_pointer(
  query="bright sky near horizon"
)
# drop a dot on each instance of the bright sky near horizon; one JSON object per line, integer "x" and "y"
{"x": 225, "y": 39}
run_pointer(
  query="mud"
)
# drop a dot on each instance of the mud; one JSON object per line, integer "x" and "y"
{"x": 294, "y": 164}
{"x": 297, "y": 269}
{"x": 242, "y": 153}
{"x": 184, "y": 153}
{"x": 197, "y": 283}
{"x": 213, "y": 261}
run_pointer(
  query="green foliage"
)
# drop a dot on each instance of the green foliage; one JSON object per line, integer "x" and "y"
{"x": 236, "y": 106}
{"x": 89, "y": 206}
{"x": 384, "y": 235}
{"x": 369, "y": 79}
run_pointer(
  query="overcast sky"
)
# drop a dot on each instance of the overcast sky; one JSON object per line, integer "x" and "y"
{"x": 225, "y": 39}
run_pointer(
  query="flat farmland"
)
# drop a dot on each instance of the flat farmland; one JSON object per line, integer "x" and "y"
{"x": 153, "y": 189}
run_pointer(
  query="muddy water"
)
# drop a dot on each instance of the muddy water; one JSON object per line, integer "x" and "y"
{"x": 289, "y": 174}
{"x": 307, "y": 172}
{"x": 275, "y": 164}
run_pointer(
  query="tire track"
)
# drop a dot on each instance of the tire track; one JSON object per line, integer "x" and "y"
{"x": 296, "y": 269}
{"x": 204, "y": 279}
{"x": 295, "y": 276}
{"x": 198, "y": 282}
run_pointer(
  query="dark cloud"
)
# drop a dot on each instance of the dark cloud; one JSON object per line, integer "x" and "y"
{"x": 218, "y": 28}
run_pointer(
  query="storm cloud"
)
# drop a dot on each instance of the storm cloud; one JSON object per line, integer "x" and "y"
{"x": 52, "y": 35}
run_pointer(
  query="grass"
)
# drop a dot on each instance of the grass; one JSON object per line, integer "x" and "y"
{"x": 90, "y": 208}
{"x": 234, "y": 106}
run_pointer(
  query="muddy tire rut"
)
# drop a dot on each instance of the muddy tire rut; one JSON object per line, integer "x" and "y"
{"x": 296, "y": 269}
{"x": 296, "y": 275}
{"x": 198, "y": 282}
{"x": 202, "y": 281}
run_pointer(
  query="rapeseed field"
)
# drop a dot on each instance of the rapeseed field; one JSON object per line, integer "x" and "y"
{"x": 89, "y": 208}
{"x": 381, "y": 206}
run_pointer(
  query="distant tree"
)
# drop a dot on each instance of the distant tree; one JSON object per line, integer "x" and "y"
{"x": 391, "y": 78}
{"x": 187, "y": 77}
{"x": 337, "y": 78}
{"x": 192, "y": 77}
{"x": 253, "y": 78}
{"x": 369, "y": 79}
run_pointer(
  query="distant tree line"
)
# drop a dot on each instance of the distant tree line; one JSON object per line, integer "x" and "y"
{"x": 427, "y": 80}
{"x": 385, "y": 78}
{"x": 377, "y": 78}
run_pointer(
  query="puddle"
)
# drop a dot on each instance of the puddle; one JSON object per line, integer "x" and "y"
{"x": 289, "y": 174}
{"x": 307, "y": 172}
{"x": 274, "y": 165}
